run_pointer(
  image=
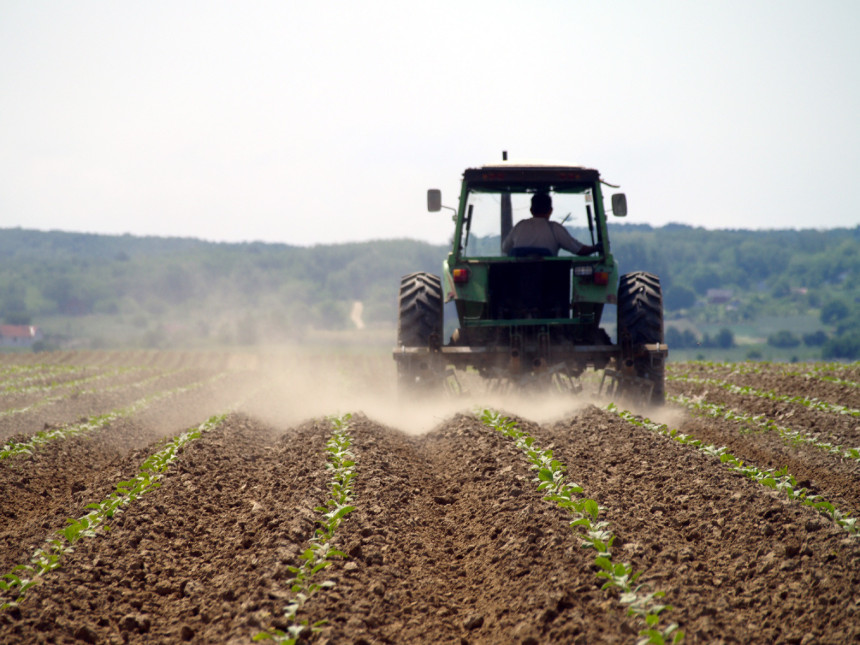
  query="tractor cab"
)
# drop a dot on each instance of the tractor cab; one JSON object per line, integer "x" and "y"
{"x": 497, "y": 286}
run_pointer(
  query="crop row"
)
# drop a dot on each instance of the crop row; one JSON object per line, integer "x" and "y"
{"x": 38, "y": 368}
{"x": 15, "y": 584}
{"x": 23, "y": 388}
{"x": 815, "y": 371}
{"x": 811, "y": 403}
{"x": 551, "y": 480}
{"x": 762, "y": 422}
{"x": 319, "y": 554}
{"x": 20, "y": 375}
{"x": 25, "y": 369}
{"x": 50, "y": 400}
{"x": 93, "y": 423}
{"x": 779, "y": 479}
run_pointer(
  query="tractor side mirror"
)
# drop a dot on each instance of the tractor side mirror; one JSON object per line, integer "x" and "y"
{"x": 619, "y": 204}
{"x": 434, "y": 200}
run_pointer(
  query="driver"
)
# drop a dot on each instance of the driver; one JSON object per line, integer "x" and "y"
{"x": 540, "y": 233}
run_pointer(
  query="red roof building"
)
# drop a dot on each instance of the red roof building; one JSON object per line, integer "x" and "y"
{"x": 19, "y": 335}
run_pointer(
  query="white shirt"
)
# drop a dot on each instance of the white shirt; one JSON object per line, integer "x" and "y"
{"x": 540, "y": 232}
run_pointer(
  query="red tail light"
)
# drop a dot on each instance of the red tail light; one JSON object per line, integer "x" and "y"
{"x": 601, "y": 278}
{"x": 460, "y": 275}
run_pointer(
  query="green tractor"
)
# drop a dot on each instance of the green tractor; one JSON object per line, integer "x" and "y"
{"x": 528, "y": 317}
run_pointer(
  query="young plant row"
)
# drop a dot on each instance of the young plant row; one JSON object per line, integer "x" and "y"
{"x": 23, "y": 388}
{"x": 831, "y": 367}
{"x": 813, "y": 404}
{"x": 20, "y": 375}
{"x": 791, "y": 437}
{"x": 823, "y": 372}
{"x": 584, "y": 512}
{"x": 38, "y": 368}
{"x": 831, "y": 379}
{"x": 319, "y": 554}
{"x": 26, "y": 368}
{"x": 816, "y": 371}
{"x": 50, "y": 400}
{"x": 15, "y": 584}
{"x": 776, "y": 479}
{"x": 95, "y": 422}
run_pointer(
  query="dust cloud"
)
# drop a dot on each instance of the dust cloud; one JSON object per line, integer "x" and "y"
{"x": 285, "y": 386}
{"x": 285, "y": 390}
{"x": 672, "y": 417}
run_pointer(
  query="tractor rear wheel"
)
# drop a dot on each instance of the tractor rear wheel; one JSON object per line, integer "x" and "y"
{"x": 640, "y": 321}
{"x": 420, "y": 322}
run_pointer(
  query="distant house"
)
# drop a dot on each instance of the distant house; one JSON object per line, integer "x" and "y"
{"x": 19, "y": 335}
{"x": 719, "y": 296}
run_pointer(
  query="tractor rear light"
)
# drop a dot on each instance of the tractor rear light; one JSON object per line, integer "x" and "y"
{"x": 601, "y": 278}
{"x": 583, "y": 270}
{"x": 460, "y": 275}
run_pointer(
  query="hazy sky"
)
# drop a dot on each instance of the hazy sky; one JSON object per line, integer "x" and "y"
{"x": 316, "y": 122}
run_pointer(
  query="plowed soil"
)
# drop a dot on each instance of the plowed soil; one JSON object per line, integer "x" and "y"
{"x": 450, "y": 542}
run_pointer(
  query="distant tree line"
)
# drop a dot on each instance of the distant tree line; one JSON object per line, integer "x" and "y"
{"x": 768, "y": 273}
{"x": 157, "y": 288}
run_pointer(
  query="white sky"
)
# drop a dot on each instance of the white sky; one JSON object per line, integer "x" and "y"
{"x": 317, "y": 122}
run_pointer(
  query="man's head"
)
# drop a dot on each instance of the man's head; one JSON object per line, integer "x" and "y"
{"x": 541, "y": 205}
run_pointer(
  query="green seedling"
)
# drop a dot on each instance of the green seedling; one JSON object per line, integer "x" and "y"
{"x": 320, "y": 553}
{"x": 776, "y": 479}
{"x": 595, "y": 534}
{"x": 816, "y": 371}
{"x": 21, "y": 378}
{"x": 813, "y": 404}
{"x": 94, "y": 423}
{"x": 47, "y": 558}
{"x": 791, "y": 437}
{"x": 21, "y": 386}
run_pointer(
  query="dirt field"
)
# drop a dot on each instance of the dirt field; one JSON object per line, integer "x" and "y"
{"x": 450, "y": 540}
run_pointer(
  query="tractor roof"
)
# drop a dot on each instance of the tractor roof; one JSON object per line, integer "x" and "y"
{"x": 530, "y": 173}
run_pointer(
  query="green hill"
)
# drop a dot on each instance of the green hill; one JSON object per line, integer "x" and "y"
{"x": 89, "y": 290}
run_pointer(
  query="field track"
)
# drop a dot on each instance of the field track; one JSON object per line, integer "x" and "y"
{"x": 446, "y": 538}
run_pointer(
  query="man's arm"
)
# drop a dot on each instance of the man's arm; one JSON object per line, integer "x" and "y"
{"x": 570, "y": 243}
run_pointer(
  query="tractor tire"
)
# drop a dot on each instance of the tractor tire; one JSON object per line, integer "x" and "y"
{"x": 420, "y": 324}
{"x": 640, "y": 321}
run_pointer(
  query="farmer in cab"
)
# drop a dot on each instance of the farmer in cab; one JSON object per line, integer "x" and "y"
{"x": 539, "y": 236}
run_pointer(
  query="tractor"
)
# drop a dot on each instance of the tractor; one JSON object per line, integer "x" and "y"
{"x": 530, "y": 318}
